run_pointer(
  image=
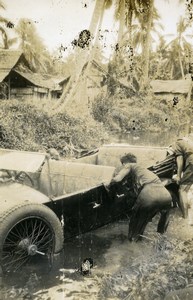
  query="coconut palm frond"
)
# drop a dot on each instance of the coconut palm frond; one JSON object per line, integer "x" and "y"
{"x": 108, "y": 4}
{"x": 189, "y": 35}
{"x": 4, "y": 20}
{"x": 4, "y": 37}
{"x": 156, "y": 15}
{"x": 2, "y": 6}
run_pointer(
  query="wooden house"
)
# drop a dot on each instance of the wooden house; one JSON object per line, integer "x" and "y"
{"x": 29, "y": 85}
{"x": 17, "y": 81}
{"x": 177, "y": 94}
{"x": 168, "y": 89}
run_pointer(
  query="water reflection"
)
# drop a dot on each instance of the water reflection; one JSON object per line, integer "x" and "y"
{"x": 158, "y": 139}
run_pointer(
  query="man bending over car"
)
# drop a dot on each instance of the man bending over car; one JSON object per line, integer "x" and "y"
{"x": 151, "y": 197}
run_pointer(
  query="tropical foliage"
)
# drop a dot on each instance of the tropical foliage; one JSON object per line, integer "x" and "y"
{"x": 69, "y": 135}
{"x": 5, "y": 24}
{"x": 136, "y": 114}
{"x": 134, "y": 56}
{"x": 133, "y": 64}
{"x": 33, "y": 46}
{"x": 141, "y": 25}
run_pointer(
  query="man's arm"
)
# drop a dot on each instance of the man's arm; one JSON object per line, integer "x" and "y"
{"x": 180, "y": 164}
{"x": 119, "y": 177}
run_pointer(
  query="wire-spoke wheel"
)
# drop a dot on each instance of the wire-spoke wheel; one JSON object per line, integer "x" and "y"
{"x": 28, "y": 230}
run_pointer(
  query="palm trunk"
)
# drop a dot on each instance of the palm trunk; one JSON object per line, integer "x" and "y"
{"x": 130, "y": 18}
{"x": 181, "y": 66}
{"x": 99, "y": 7}
{"x": 171, "y": 72}
{"x": 130, "y": 27}
{"x": 83, "y": 57}
{"x": 118, "y": 50}
{"x": 179, "y": 54}
{"x": 146, "y": 46}
{"x": 4, "y": 38}
{"x": 100, "y": 20}
{"x": 121, "y": 23}
{"x": 116, "y": 53}
{"x": 157, "y": 73}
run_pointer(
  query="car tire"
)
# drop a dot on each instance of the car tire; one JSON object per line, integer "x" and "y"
{"x": 28, "y": 229}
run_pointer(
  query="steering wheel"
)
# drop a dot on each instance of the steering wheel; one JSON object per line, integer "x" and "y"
{"x": 7, "y": 173}
{"x": 20, "y": 176}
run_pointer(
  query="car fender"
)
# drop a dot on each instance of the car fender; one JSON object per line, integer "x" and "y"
{"x": 16, "y": 192}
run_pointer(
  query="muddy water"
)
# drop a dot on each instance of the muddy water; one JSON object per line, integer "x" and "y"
{"x": 107, "y": 246}
{"x": 113, "y": 257}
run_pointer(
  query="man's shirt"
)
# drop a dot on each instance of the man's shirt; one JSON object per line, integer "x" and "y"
{"x": 184, "y": 147}
{"x": 140, "y": 176}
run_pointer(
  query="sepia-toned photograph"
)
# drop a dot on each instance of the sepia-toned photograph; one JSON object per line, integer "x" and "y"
{"x": 96, "y": 149}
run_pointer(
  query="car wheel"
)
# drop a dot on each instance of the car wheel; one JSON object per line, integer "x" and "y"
{"x": 26, "y": 231}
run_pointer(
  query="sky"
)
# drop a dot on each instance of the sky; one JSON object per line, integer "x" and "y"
{"x": 59, "y": 22}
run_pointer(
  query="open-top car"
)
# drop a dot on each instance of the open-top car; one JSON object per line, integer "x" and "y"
{"x": 45, "y": 202}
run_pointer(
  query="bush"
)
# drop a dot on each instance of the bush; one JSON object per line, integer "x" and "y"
{"x": 101, "y": 107}
{"x": 25, "y": 127}
{"x": 138, "y": 113}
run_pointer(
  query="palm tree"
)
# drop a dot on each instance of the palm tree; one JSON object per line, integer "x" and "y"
{"x": 179, "y": 44}
{"x": 125, "y": 12}
{"x": 98, "y": 14}
{"x": 158, "y": 61}
{"x": 32, "y": 46}
{"x": 147, "y": 18}
{"x": 172, "y": 63}
{"x": 4, "y": 24}
{"x": 121, "y": 60}
{"x": 84, "y": 56}
{"x": 143, "y": 11}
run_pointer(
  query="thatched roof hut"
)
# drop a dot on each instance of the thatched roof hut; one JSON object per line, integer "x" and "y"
{"x": 9, "y": 59}
{"x": 19, "y": 82}
{"x": 173, "y": 87}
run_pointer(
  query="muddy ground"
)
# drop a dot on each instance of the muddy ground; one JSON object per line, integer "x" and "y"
{"x": 122, "y": 270}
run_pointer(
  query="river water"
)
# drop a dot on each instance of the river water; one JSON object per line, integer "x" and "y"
{"x": 158, "y": 139}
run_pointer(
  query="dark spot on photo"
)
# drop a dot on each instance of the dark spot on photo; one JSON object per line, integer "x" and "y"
{"x": 10, "y": 25}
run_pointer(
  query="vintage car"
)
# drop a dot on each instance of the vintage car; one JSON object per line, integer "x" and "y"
{"x": 45, "y": 202}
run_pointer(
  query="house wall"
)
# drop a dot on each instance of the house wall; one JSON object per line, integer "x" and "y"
{"x": 168, "y": 99}
{"x": 55, "y": 95}
{"x": 21, "y": 93}
{"x": 23, "y": 89}
{"x": 32, "y": 93}
{"x": 170, "y": 96}
{"x": 4, "y": 88}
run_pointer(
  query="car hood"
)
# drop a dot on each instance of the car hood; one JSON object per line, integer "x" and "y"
{"x": 16, "y": 192}
{"x": 21, "y": 160}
